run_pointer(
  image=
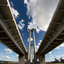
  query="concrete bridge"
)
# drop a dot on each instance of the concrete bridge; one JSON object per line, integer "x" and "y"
{"x": 54, "y": 35}
{"x": 10, "y": 35}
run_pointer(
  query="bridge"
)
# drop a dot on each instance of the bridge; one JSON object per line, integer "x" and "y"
{"x": 54, "y": 35}
{"x": 10, "y": 35}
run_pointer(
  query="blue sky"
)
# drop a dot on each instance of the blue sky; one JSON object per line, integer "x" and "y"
{"x": 32, "y": 14}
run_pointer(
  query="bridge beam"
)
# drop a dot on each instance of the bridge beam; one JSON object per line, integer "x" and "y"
{"x": 21, "y": 59}
{"x": 55, "y": 35}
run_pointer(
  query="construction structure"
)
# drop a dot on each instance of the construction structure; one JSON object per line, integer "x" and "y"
{"x": 29, "y": 47}
{"x": 9, "y": 32}
{"x": 10, "y": 35}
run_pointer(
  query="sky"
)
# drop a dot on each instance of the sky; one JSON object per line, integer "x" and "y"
{"x": 30, "y": 14}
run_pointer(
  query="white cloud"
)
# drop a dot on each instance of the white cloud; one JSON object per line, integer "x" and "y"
{"x": 8, "y": 50}
{"x": 21, "y": 24}
{"x": 5, "y": 57}
{"x": 39, "y": 44}
{"x": 41, "y": 12}
{"x": 49, "y": 52}
{"x": 12, "y": 4}
{"x": 62, "y": 45}
{"x": 57, "y": 48}
{"x": 25, "y": 1}
{"x": 15, "y": 12}
{"x": 40, "y": 41}
{"x": 31, "y": 39}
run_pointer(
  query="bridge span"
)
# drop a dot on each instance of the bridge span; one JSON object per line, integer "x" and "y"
{"x": 54, "y": 35}
{"x": 9, "y": 33}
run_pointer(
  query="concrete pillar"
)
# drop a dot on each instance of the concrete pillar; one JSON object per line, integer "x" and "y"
{"x": 29, "y": 49}
{"x": 35, "y": 59}
{"x": 21, "y": 59}
{"x": 42, "y": 60}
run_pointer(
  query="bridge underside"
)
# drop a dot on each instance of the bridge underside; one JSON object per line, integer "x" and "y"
{"x": 9, "y": 33}
{"x": 55, "y": 33}
{"x": 4, "y": 38}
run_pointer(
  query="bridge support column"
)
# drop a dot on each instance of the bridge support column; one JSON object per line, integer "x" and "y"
{"x": 35, "y": 59}
{"x": 42, "y": 60}
{"x": 29, "y": 49}
{"x": 21, "y": 59}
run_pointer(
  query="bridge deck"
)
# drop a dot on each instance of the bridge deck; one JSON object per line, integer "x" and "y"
{"x": 55, "y": 33}
{"x": 9, "y": 33}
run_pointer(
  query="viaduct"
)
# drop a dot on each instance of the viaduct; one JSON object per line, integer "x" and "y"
{"x": 10, "y": 35}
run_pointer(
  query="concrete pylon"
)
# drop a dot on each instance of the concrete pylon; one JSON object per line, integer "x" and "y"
{"x": 42, "y": 60}
{"x": 21, "y": 59}
{"x": 29, "y": 49}
{"x": 35, "y": 59}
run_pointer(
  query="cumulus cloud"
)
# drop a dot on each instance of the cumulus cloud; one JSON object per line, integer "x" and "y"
{"x": 31, "y": 39}
{"x": 41, "y": 12}
{"x": 15, "y": 12}
{"x": 8, "y": 50}
{"x": 12, "y": 4}
{"x": 37, "y": 46}
{"x": 40, "y": 41}
{"x": 49, "y": 52}
{"x": 5, "y": 57}
{"x": 21, "y": 24}
{"x": 57, "y": 48}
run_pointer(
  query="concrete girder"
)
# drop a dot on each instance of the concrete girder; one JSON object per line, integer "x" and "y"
{"x": 8, "y": 15}
{"x": 61, "y": 10}
{"x": 9, "y": 34}
{"x": 3, "y": 4}
{"x": 8, "y": 20}
{"x": 61, "y": 28}
{"x": 52, "y": 29}
{"x": 1, "y": 31}
{"x": 12, "y": 29}
{"x": 57, "y": 23}
{"x": 62, "y": 33}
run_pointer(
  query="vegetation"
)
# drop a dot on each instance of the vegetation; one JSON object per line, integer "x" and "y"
{"x": 54, "y": 63}
{"x": 7, "y": 62}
